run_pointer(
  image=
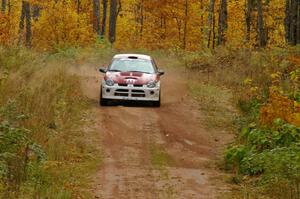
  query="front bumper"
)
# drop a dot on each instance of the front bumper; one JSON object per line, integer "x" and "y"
{"x": 117, "y": 92}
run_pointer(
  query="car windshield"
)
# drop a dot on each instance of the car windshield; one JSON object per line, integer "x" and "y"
{"x": 133, "y": 65}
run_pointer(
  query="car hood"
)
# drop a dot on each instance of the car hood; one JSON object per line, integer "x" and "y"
{"x": 136, "y": 78}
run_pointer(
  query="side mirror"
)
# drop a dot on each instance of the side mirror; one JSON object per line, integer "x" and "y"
{"x": 161, "y": 72}
{"x": 102, "y": 70}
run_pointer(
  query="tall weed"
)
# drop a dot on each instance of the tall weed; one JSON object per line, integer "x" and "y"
{"x": 42, "y": 151}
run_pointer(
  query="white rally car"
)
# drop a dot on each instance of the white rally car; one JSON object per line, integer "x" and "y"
{"x": 133, "y": 77}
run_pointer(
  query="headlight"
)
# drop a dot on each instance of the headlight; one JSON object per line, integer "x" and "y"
{"x": 152, "y": 84}
{"x": 109, "y": 82}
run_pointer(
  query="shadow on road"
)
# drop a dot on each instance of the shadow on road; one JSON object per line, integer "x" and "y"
{"x": 137, "y": 104}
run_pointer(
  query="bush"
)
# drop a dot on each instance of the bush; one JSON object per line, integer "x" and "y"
{"x": 17, "y": 153}
{"x": 272, "y": 153}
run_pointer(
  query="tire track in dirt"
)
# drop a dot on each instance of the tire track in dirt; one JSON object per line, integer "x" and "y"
{"x": 129, "y": 132}
{"x": 129, "y": 173}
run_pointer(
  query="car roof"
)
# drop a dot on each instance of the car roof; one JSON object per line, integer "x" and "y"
{"x": 135, "y": 56}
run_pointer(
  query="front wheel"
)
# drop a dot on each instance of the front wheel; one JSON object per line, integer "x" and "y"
{"x": 157, "y": 103}
{"x": 103, "y": 102}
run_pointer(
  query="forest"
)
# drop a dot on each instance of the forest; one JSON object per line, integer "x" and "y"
{"x": 189, "y": 25}
{"x": 248, "y": 48}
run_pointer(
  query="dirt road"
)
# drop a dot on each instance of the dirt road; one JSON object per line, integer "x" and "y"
{"x": 156, "y": 152}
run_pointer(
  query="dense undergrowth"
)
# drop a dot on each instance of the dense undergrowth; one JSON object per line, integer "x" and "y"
{"x": 45, "y": 146}
{"x": 265, "y": 157}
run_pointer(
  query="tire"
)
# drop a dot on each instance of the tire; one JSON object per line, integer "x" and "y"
{"x": 103, "y": 102}
{"x": 157, "y": 103}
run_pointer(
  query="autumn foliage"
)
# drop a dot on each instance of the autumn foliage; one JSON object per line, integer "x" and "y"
{"x": 60, "y": 25}
{"x": 279, "y": 106}
{"x": 5, "y": 27}
{"x": 155, "y": 24}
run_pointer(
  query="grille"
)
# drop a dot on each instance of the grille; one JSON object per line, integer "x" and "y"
{"x": 122, "y": 92}
{"x": 134, "y": 93}
{"x": 138, "y": 93}
{"x": 136, "y": 85}
{"x": 122, "y": 84}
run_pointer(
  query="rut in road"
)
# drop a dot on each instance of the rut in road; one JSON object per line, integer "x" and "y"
{"x": 130, "y": 133}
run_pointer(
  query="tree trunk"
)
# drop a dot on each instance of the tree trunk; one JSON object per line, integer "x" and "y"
{"x": 202, "y": 18}
{"x": 178, "y": 21}
{"x": 104, "y": 2}
{"x": 163, "y": 27}
{"x": 21, "y": 24}
{"x": 36, "y": 12}
{"x": 222, "y": 22}
{"x": 262, "y": 36}
{"x": 287, "y": 21}
{"x": 9, "y": 7}
{"x": 96, "y": 18}
{"x": 28, "y": 25}
{"x": 292, "y": 22}
{"x": 139, "y": 18}
{"x": 185, "y": 24}
{"x": 292, "y": 25}
{"x": 210, "y": 21}
{"x": 214, "y": 31}
{"x": 119, "y": 3}
{"x": 3, "y": 6}
{"x": 142, "y": 19}
{"x": 298, "y": 23}
{"x": 249, "y": 19}
{"x": 78, "y": 6}
{"x": 113, "y": 21}
{"x": 136, "y": 18}
{"x": 25, "y": 15}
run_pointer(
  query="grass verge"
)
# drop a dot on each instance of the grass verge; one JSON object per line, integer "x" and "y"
{"x": 215, "y": 103}
{"x": 47, "y": 148}
{"x": 264, "y": 159}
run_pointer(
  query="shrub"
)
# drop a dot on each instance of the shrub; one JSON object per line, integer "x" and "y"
{"x": 273, "y": 153}
{"x": 18, "y": 151}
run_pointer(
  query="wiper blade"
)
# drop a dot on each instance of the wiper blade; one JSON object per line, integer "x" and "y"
{"x": 114, "y": 70}
{"x": 136, "y": 71}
